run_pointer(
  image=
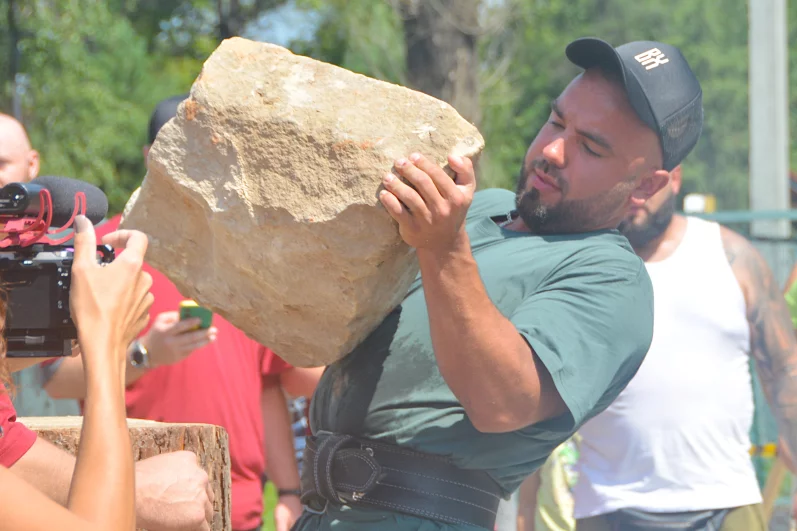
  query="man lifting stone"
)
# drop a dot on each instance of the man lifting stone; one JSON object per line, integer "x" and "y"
{"x": 530, "y": 315}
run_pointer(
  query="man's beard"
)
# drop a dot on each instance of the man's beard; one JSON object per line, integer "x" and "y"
{"x": 653, "y": 227}
{"x": 564, "y": 217}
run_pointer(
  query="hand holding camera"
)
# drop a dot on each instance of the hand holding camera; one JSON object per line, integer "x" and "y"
{"x": 110, "y": 300}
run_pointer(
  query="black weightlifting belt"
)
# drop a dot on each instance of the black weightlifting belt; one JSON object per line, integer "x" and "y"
{"x": 343, "y": 470}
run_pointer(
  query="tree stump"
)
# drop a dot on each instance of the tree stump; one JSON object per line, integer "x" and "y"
{"x": 149, "y": 438}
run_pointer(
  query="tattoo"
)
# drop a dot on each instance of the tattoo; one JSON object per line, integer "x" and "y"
{"x": 772, "y": 338}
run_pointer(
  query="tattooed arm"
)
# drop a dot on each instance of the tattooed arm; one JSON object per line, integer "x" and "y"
{"x": 772, "y": 340}
{"x": 792, "y": 279}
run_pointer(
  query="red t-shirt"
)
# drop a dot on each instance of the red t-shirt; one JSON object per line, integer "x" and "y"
{"x": 15, "y": 438}
{"x": 219, "y": 384}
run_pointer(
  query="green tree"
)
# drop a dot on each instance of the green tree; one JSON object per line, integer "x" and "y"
{"x": 89, "y": 87}
{"x": 716, "y": 47}
{"x": 363, "y": 36}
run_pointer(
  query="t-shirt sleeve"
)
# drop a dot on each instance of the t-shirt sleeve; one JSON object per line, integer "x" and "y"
{"x": 271, "y": 364}
{"x": 15, "y": 438}
{"x": 591, "y": 324}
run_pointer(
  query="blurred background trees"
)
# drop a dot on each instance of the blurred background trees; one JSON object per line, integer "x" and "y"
{"x": 84, "y": 75}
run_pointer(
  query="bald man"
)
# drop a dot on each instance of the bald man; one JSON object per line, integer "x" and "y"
{"x": 19, "y": 162}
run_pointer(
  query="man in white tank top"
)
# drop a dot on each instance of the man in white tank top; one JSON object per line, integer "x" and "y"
{"x": 672, "y": 451}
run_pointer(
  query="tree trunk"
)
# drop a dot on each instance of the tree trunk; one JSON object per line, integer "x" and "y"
{"x": 442, "y": 58}
{"x": 13, "y": 59}
{"x": 209, "y": 443}
{"x": 230, "y": 19}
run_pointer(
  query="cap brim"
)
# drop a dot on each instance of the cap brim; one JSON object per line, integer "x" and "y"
{"x": 589, "y": 52}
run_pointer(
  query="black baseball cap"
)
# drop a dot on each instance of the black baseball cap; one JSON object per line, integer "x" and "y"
{"x": 164, "y": 111}
{"x": 660, "y": 85}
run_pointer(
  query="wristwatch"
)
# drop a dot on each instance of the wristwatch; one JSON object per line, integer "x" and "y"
{"x": 138, "y": 356}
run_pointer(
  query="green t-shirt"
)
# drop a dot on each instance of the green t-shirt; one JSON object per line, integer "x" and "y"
{"x": 584, "y": 302}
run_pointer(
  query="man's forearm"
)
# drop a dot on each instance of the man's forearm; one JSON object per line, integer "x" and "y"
{"x": 69, "y": 381}
{"x": 47, "y": 468}
{"x": 20, "y": 364}
{"x": 470, "y": 337}
{"x": 782, "y": 395}
{"x": 527, "y": 502}
{"x": 280, "y": 452}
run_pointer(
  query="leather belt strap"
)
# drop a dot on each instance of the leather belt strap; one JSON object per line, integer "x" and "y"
{"x": 344, "y": 470}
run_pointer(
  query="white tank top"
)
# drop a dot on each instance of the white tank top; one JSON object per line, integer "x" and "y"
{"x": 677, "y": 438}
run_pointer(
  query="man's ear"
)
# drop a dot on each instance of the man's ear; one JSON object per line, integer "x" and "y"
{"x": 676, "y": 179}
{"x": 648, "y": 186}
{"x": 33, "y": 164}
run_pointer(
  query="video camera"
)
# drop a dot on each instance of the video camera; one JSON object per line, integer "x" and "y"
{"x": 36, "y": 261}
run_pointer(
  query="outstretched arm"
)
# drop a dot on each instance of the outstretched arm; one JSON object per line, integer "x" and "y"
{"x": 281, "y": 463}
{"x": 772, "y": 339}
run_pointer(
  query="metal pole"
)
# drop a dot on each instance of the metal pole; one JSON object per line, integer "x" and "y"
{"x": 769, "y": 114}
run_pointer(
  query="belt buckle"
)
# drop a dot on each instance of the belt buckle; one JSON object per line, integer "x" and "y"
{"x": 357, "y": 496}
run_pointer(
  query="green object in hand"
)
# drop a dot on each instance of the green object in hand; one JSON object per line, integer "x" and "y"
{"x": 791, "y": 303}
{"x": 190, "y": 309}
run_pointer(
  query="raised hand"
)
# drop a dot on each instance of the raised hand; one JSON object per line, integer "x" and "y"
{"x": 431, "y": 212}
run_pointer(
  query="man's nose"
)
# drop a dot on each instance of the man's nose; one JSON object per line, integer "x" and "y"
{"x": 554, "y": 152}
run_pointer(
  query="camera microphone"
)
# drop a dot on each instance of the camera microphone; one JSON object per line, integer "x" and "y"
{"x": 63, "y": 191}
{"x": 36, "y": 260}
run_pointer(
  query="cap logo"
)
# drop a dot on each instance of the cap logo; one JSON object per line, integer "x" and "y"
{"x": 651, "y": 59}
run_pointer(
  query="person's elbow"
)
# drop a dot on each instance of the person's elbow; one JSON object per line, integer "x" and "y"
{"x": 490, "y": 418}
{"x": 499, "y": 423}
{"x": 301, "y": 381}
{"x": 62, "y": 387}
{"x": 57, "y": 392}
{"x": 517, "y": 412}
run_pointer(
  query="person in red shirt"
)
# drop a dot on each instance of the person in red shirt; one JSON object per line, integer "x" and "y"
{"x": 15, "y": 438}
{"x": 216, "y": 376}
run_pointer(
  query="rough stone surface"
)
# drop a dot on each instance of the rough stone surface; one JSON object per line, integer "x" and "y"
{"x": 149, "y": 438}
{"x": 261, "y": 196}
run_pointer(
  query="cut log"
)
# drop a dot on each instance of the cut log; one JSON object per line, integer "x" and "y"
{"x": 149, "y": 438}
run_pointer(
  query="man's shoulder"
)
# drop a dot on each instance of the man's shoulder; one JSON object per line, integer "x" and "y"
{"x": 605, "y": 265}
{"x": 491, "y": 202}
{"x": 748, "y": 265}
{"x": 735, "y": 245}
{"x": 607, "y": 247}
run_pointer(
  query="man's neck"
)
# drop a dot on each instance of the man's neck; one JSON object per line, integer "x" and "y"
{"x": 663, "y": 246}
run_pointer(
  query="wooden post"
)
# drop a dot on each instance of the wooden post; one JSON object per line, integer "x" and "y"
{"x": 209, "y": 443}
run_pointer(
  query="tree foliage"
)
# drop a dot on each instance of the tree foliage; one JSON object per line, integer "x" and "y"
{"x": 89, "y": 85}
{"x": 92, "y": 70}
{"x": 715, "y": 46}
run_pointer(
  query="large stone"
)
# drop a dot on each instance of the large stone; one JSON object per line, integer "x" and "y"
{"x": 261, "y": 196}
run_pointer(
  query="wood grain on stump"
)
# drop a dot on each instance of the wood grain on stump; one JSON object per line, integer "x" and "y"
{"x": 149, "y": 438}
